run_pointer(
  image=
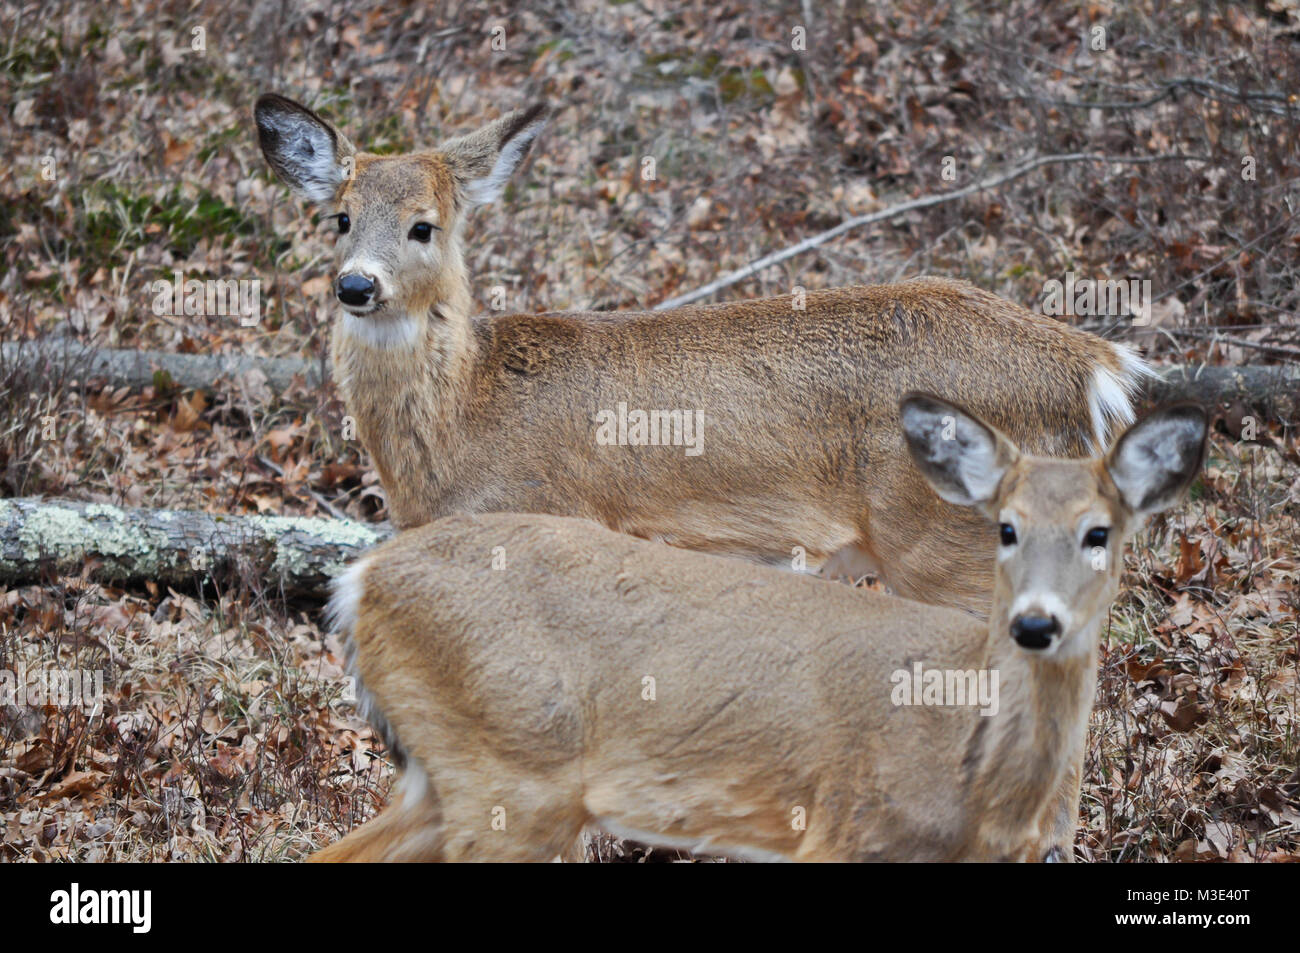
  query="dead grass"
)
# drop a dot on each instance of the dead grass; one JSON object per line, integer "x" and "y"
{"x": 224, "y": 733}
{"x": 1193, "y": 745}
{"x": 221, "y": 734}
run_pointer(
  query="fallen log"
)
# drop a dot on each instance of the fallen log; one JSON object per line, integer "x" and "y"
{"x": 123, "y": 367}
{"x": 183, "y": 548}
{"x": 1272, "y": 389}
{"x": 1275, "y": 389}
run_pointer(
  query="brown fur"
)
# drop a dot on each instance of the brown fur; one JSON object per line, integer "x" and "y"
{"x": 802, "y": 450}
{"x": 520, "y": 690}
{"x": 801, "y": 442}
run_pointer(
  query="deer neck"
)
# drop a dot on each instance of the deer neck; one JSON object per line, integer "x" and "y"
{"x": 403, "y": 378}
{"x": 1025, "y": 752}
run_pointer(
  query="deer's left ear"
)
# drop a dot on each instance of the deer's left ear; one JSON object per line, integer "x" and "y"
{"x": 483, "y": 161}
{"x": 1156, "y": 459}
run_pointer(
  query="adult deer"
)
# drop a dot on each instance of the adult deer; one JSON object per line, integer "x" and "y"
{"x": 763, "y": 429}
{"x": 706, "y": 703}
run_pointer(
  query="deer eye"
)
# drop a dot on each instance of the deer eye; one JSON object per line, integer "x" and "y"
{"x": 345, "y": 223}
{"x": 421, "y": 231}
{"x": 1007, "y": 533}
{"x": 1096, "y": 536}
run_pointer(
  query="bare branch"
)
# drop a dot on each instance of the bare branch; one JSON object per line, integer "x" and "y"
{"x": 1271, "y": 102}
{"x": 894, "y": 211}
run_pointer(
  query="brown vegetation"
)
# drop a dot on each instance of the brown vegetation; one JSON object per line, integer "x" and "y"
{"x": 224, "y": 732}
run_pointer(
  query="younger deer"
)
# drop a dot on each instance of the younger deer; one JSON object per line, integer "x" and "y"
{"x": 691, "y": 701}
{"x": 785, "y": 407}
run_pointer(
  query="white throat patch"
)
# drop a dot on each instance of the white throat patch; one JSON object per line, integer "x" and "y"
{"x": 386, "y": 333}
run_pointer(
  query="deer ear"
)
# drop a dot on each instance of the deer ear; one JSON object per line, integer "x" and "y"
{"x": 960, "y": 456}
{"x": 483, "y": 161}
{"x": 308, "y": 154}
{"x": 1156, "y": 459}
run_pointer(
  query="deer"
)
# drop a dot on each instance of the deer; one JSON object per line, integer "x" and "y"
{"x": 760, "y": 429}
{"x": 693, "y": 701}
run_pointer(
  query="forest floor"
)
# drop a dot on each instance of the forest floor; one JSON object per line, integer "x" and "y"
{"x": 224, "y": 731}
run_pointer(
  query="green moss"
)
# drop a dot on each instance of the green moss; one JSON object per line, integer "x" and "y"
{"x": 737, "y": 84}
{"x": 734, "y": 84}
{"x": 335, "y": 104}
{"x": 387, "y": 136}
{"x": 216, "y": 143}
{"x": 562, "y": 45}
{"x": 40, "y": 53}
{"x": 114, "y": 220}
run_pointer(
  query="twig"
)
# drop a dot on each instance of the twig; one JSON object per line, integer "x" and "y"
{"x": 1218, "y": 337}
{"x": 1258, "y": 239}
{"x": 279, "y": 471}
{"x": 1201, "y": 87}
{"x": 896, "y": 210}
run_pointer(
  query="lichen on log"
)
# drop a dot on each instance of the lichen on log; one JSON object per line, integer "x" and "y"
{"x": 296, "y": 555}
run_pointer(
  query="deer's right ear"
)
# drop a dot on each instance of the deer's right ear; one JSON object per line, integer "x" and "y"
{"x": 963, "y": 458}
{"x": 308, "y": 154}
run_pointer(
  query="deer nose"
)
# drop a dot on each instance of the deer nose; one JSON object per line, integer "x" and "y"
{"x": 355, "y": 290}
{"x": 1033, "y": 631}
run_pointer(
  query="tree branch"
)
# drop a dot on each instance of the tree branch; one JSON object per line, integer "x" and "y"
{"x": 1276, "y": 103}
{"x": 1271, "y": 389}
{"x": 894, "y": 211}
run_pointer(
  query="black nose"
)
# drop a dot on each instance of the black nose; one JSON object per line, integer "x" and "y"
{"x": 355, "y": 290}
{"x": 1034, "y": 631}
